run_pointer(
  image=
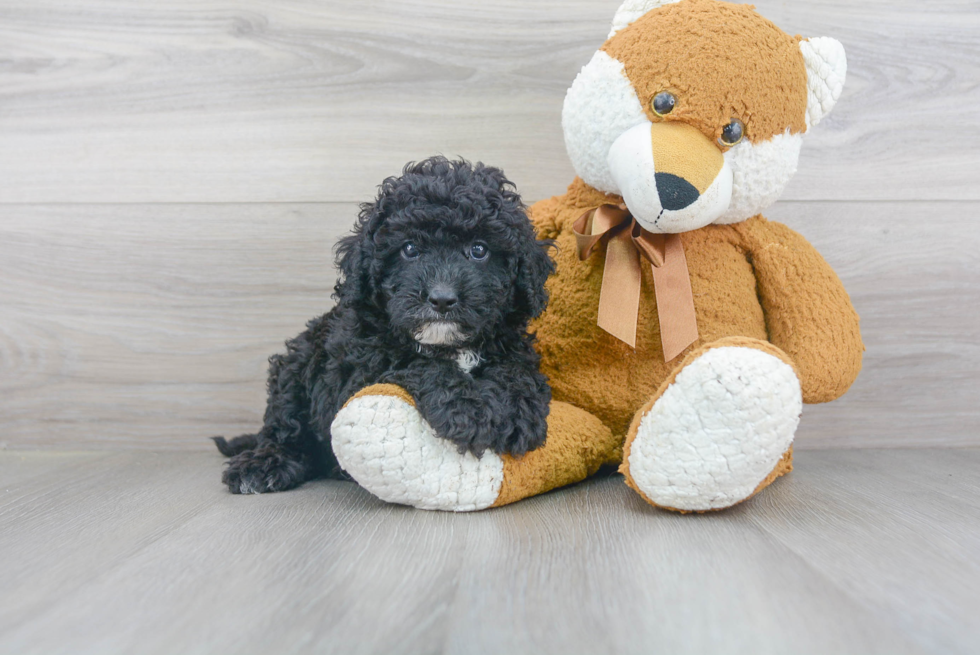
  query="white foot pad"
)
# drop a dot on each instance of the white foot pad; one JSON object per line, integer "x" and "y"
{"x": 717, "y": 431}
{"x": 384, "y": 444}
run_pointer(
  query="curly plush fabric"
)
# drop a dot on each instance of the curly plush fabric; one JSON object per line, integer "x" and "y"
{"x": 776, "y": 328}
{"x": 760, "y": 173}
{"x": 578, "y": 445}
{"x": 755, "y": 279}
{"x": 808, "y": 313}
{"x": 666, "y": 50}
{"x": 440, "y": 276}
{"x": 736, "y": 403}
{"x": 599, "y": 107}
{"x": 381, "y": 439}
{"x": 630, "y": 10}
{"x": 383, "y": 442}
{"x": 826, "y": 67}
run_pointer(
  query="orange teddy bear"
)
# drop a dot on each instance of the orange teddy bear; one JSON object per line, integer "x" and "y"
{"x": 684, "y": 331}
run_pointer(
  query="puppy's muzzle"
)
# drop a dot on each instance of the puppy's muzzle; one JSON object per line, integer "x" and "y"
{"x": 442, "y": 299}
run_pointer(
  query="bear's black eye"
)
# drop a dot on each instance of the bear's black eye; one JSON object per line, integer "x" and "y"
{"x": 410, "y": 251}
{"x": 732, "y": 133}
{"x": 479, "y": 251}
{"x": 663, "y": 103}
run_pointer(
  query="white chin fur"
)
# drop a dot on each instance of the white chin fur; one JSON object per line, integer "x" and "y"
{"x": 439, "y": 333}
{"x": 467, "y": 360}
{"x": 632, "y": 168}
{"x": 599, "y": 106}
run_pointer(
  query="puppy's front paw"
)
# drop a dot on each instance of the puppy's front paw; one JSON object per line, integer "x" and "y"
{"x": 529, "y": 435}
{"x": 474, "y": 426}
{"x": 263, "y": 470}
{"x": 383, "y": 442}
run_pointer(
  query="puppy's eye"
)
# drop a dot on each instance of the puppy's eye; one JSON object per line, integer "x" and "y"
{"x": 663, "y": 103}
{"x": 479, "y": 251}
{"x": 732, "y": 133}
{"x": 410, "y": 251}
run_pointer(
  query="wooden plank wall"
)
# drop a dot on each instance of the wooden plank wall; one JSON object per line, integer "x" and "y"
{"x": 173, "y": 177}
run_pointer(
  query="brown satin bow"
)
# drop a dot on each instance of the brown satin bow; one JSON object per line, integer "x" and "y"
{"x": 619, "y": 298}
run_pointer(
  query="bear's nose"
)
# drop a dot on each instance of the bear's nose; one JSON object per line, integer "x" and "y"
{"x": 675, "y": 192}
{"x": 442, "y": 299}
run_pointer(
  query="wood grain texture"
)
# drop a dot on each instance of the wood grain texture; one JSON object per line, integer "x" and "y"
{"x": 913, "y": 272}
{"x": 855, "y": 552}
{"x": 149, "y": 326}
{"x": 303, "y": 100}
{"x": 131, "y": 325}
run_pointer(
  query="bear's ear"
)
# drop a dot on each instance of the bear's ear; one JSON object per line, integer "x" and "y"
{"x": 630, "y": 10}
{"x": 826, "y": 70}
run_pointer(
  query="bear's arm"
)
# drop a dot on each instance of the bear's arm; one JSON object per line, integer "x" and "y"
{"x": 808, "y": 312}
{"x": 544, "y": 217}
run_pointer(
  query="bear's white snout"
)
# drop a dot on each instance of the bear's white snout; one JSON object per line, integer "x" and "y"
{"x": 671, "y": 177}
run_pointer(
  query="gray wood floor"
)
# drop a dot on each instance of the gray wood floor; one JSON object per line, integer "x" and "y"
{"x": 857, "y": 551}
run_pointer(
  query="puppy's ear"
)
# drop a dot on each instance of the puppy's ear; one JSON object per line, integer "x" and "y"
{"x": 534, "y": 265}
{"x": 356, "y": 258}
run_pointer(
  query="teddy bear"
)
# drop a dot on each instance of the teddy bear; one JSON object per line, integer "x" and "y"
{"x": 684, "y": 331}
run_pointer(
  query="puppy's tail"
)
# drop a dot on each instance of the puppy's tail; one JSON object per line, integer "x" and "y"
{"x": 236, "y": 445}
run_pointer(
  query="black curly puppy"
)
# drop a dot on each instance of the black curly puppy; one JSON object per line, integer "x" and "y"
{"x": 439, "y": 280}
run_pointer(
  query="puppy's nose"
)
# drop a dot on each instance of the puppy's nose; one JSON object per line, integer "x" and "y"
{"x": 442, "y": 299}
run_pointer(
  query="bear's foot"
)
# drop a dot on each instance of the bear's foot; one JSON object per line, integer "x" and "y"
{"x": 720, "y": 430}
{"x": 383, "y": 442}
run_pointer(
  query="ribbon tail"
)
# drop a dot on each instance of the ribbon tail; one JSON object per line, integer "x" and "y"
{"x": 619, "y": 298}
{"x": 675, "y": 300}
